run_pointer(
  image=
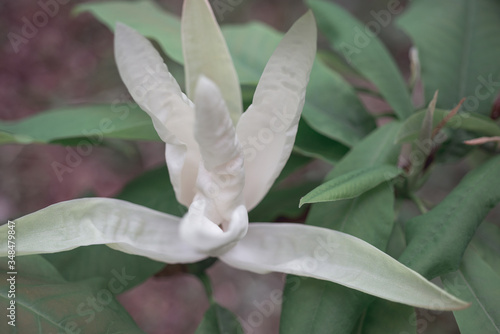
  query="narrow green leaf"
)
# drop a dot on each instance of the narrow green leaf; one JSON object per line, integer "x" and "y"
{"x": 47, "y": 303}
{"x": 458, "y": 49}
{"x": 352, "y": 184}
{"x": 365, "y": 52}
{"x": 437, "y": 239}
{"x": 219, "y": 320}
{"x": 476, "y": 282}
{"x": 312, "y": 306}
{"x": 481, "y": 125}
{"x": 312, "y": 144}
{"x": 88, "y": 125}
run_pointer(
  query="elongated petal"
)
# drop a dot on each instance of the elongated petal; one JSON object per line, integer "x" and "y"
{"x": 214, "y": 131}
{"x": 267, "y": 129}
{"x": 221, "y": 179}
{"x": 121, "y": 225}
{"x": 206, "y": 53}
{"x": 156, "y": 91}
{"x": 338, "y": 257}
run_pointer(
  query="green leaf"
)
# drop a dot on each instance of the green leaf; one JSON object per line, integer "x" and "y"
{"x": 437, "y": 239}
{"x": 219, "y": 320}
{"x": 478, "y": 124}
{"x": 103, "y": 262}
{"x": 153, "y": 190}
{"x": 486, "y": 243}
{"x": 477, "y": 283}
{"x": 85, "y": 125}
{"x": 312, "y": 144}
{"x": 364, "y": 52}
{"x": 312, "y": 306}
{"x": 458, "y": 49}
{"x": 352, "y": 184}
{"x": 47, "y": 303}
{"x": 144, "y": 16}
{"x": 384, "y": 317}
{"x": 281, "y": 202}
{"x": 333, "y": 109}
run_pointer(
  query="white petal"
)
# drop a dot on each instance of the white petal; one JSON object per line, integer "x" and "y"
{"x": 203, "y": 233}
{"x": 156, "y": 91}
{"x": 214, "y": 130}
{"x": 206, "y": 53}
{"x": 338, "y": 257}
{"x": 267, "y": 129}
{"x": 121, "y": 225}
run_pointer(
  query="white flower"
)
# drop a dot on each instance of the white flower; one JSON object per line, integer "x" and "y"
{"x": 222, "y": 162}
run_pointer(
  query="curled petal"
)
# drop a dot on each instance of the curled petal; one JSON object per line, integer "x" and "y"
{"x": 267, "y": 129}
{"x": 200, "y": 229}
{"x": 121, "y": 225}
{"x": 337, "y": 257}
{"x": 157, "y": 93}
{"x": 206, "y": 53}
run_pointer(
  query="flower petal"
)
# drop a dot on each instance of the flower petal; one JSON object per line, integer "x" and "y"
{"x": 267, "y": 129}
{"x": 221, "y": 178}
{"x": 121, "y": 225}
{"x": 200, "y": 230}
{"x": 206, "y": 53}
{"x": 214, "y": 131}
{"x": 156, "y": 91}
{"x": 338, "y": 257}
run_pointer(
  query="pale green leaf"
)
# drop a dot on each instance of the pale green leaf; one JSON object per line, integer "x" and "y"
{"x": 352, "y": 184}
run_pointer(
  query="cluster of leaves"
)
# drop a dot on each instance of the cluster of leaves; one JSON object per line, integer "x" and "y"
{"x": 457, "y": 56}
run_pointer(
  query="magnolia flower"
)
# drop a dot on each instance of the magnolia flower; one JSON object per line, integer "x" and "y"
{"x": 222, "y": 162}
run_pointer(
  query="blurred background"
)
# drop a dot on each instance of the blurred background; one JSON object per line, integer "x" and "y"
{"x": 69, "y": 61}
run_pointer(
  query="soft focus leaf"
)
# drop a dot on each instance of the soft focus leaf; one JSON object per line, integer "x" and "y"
{"x": 369, "y": 217}
{"x": 47, "y": 303}
{"x": 333, "y": 109}
{"x": 365, "y": 52}
{"x": 312, "y": 144}
{"x": 486, "y": 243}
{"x": 383, "y": 317}
{"x": 458, "y": 49}
{"x": 101, "y": 261}
{"x": 437, "y": 239}
{"x": 85, "y": 125}
{"x": 477, "y": 283}
{"x": 219, "y": 320}
{"x": 144, "y": 16}
{"x": 352, "y": 184}
{"x": 472, "y": 122}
